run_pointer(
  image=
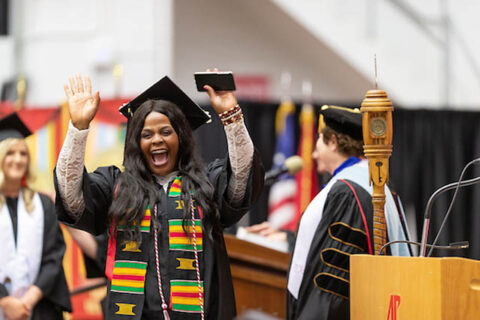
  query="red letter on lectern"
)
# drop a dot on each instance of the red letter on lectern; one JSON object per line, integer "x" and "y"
{"x": 392, "y": 309}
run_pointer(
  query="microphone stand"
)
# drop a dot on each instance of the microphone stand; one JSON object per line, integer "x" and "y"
{"x": 428, "y": 209}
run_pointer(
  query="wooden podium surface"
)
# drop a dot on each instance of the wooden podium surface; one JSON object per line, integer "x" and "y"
{"x": 259, "y": 276}
{"x": 397, "y": 288}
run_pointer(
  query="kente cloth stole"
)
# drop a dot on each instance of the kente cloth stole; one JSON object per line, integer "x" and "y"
{"x": 183, "y": 290}
{"x": 126, "y": 268}
{"x": 127, "y": 264}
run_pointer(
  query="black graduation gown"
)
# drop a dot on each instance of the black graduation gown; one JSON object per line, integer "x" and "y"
{"x": 98, "y": 191}
{"x": 95, "y": 268}
{"x": 51, "y": 277}
{"x": 324, "y": 291}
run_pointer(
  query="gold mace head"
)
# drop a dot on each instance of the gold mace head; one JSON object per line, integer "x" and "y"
{"x": 377, "y": 118}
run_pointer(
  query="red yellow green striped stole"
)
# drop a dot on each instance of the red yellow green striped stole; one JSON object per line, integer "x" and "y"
{"x": 129, "y": 277}
{"x": 144, "y": 224}
{"x": 178, "y": 237}
{"x": 131, "y": 246}
{"x": 184, "y": 295}
{"x": 175, "y": 188}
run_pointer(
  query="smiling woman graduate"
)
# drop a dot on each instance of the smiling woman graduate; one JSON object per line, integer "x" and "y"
{"x": 32, "y": 281}
{"x": 165, "y": 212}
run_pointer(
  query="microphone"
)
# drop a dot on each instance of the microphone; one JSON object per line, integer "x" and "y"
{"x": 291, "y": 165}
{"x": 428, "y": 209}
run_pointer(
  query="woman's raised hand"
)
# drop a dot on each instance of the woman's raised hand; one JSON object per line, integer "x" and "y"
{"x": 221, "y": 100}
{"x": 81, "y": 105}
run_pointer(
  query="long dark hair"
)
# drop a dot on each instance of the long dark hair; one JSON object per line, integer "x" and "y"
{"x": 135, "y": 189}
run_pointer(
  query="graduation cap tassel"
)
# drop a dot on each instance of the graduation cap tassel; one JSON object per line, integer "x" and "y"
{"x": 377, "y": 135}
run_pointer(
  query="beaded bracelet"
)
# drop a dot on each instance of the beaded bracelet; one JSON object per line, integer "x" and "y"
{"x": 239, "y": 111}
{"x": 230, "y": 112}
{"x": 233, "y": 115}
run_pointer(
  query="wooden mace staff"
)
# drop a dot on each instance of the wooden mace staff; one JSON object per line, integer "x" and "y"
{"x": 377, "y": 135}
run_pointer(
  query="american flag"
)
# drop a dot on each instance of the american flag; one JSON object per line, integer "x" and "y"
{"x": 281, "y": 203}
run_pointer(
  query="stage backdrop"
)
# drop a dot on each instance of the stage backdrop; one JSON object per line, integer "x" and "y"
{"x": 430, "y": 148}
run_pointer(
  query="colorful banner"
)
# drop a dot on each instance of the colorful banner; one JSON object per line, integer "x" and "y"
{"x": 306, "y": 179}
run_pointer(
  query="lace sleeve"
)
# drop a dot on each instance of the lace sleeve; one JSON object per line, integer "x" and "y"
{"x": 240, "y": 150}
{"x": 70, "y": 170}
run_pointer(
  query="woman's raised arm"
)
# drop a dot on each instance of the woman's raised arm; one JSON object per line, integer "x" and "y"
{"x": 240, "y": 145}
{"x": 82, "y": 107}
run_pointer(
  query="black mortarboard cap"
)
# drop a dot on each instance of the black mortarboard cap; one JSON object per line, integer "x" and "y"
{"x": 343, "y": 120}
{"x": 166, "y": 89}
{"x": 12, "y": 126}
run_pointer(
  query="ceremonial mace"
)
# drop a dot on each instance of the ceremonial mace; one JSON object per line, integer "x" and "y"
{"x": 377, "y": 135}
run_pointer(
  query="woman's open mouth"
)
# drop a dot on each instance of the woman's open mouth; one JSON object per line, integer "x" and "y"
{"x": 159, "y": 157}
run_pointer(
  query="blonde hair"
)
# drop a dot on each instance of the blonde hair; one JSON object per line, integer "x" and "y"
{"x": 27, "y": 190}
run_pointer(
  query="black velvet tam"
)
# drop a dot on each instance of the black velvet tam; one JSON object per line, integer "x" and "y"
{"x": 343, "y": 120}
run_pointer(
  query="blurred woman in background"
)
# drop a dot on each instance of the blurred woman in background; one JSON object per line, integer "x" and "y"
{"x": 32, "y": 281}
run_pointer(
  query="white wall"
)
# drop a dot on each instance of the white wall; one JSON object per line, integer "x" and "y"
{"x": 411, "y": 65}
{"x": 62, "y": 37}
{"x": 330, "y": 42}
{"x": 256, "y": 37}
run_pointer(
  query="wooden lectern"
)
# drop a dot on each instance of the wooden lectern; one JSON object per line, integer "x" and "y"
{"x": 398, "y": 288}
{"x": 259, "y": 276}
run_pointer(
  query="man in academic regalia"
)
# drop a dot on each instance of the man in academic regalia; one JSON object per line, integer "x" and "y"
{"x": 337, "y": 223}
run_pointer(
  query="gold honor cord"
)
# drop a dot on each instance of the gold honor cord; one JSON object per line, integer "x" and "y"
{"x": 377, "y": 135}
